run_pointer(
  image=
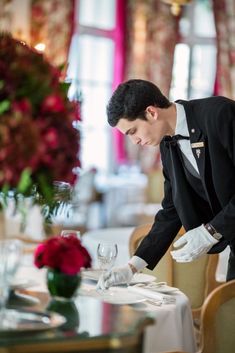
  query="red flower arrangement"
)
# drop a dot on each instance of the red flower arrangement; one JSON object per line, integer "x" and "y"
{"x": 38, "y": 143}
{"x": 65, "y": 254}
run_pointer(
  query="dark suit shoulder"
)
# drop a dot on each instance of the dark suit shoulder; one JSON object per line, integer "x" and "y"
{"x": 209, "y": 113}
{"x": 207, "y": 102}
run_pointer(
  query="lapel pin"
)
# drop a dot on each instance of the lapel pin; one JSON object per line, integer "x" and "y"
{"x": 198, "y": 152}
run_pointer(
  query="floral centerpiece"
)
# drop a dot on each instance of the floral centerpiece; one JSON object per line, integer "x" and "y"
{"x": 64, "y": 256}
{"x": 38, "y": 143}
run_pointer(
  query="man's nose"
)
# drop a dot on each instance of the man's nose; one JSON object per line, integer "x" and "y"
{"x": 135, "y": 140}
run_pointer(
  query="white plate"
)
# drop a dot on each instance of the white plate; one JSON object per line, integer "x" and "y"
{"x": 22, "y": 283}
{"x": 114, "y": 295}
{"x": 166, "y": 289}
{"x": 137, "y": 278}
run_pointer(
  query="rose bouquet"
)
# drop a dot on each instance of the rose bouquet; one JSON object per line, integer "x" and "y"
{"x": 64, "y": 256}
{"x": 38, "y": 143}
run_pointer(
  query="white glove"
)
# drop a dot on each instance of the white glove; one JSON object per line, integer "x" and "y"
{"x": 197, "y": 242}
{"x": 117, "y": 275}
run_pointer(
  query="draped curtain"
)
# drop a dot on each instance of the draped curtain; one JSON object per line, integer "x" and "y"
{"x": 152, "y": 33}
{"x": 224, "y": 12}
{"x": 52, "y": 24}
{"x": 5, "y": 15}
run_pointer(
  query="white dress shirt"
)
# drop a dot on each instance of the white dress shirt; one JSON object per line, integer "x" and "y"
{"x": 182, "y": 129}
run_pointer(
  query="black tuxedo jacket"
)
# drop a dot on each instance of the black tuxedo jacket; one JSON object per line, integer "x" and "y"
{"x": 211, "y": 124}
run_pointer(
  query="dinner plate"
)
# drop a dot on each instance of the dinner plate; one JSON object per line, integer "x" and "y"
{"x": 114, "y": 295}
{"x": 27, "y": 321}
{"x": 166, "y": 289}
{"x": 22, "y": 283}
{"x": 137, "y": 278}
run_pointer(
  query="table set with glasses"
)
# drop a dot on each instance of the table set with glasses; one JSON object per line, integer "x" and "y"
{"x": 41, "y": 318}
{"x": 87, "y": 318}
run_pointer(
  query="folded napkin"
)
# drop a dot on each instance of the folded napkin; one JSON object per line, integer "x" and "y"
{"x": 153, "y": 293}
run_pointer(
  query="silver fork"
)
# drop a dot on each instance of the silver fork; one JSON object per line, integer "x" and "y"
{"x": 154, "y": 302}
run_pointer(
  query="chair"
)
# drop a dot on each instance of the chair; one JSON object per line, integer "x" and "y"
{"x": 217, "y": 320}
{"x": 196, "y": 286}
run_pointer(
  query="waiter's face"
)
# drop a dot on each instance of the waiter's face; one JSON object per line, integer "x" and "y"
{"x": 147, "y": 132}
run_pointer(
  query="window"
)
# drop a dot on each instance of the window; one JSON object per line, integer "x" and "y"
{"x": 194, "y": 67}
{"x": 95, "y": 55}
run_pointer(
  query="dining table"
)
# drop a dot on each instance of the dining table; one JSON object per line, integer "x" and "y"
{"x": 121, "y": 318}
{"x": 42, "y": 323}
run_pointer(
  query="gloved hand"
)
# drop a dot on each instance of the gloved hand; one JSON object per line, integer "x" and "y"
{"x": 196, "y": 243}
{"x": 117, "y": 275}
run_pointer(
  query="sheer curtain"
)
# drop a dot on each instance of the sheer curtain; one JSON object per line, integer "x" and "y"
{"x": 224, "y": 12}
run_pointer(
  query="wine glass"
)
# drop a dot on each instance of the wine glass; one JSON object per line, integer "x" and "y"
{"x": 10, "y": 255}
{"x": 66, "y": 232}
{"x": 106, "y": 254}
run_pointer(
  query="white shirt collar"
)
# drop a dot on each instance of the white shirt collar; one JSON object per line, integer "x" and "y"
{"x": 181, "y": 127}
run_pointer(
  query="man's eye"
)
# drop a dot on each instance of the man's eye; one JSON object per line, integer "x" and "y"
{"x": 132, "y": 132}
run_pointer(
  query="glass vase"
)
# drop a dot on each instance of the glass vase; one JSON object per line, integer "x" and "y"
{"x": 69, "y": 310}
{"x": 62, "y": 286}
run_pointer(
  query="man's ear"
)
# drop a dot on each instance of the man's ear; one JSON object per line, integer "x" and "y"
{"x": 151, "y": 112}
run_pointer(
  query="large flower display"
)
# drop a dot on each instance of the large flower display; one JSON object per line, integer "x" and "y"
{"x": 38, "y": 143}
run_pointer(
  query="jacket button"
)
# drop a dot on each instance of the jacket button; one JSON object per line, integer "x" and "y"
{"x": 193, "y": 130}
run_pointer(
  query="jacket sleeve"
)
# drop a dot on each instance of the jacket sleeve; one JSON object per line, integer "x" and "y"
{"x": 224, "y": 221}
{"x": 165, "y": 227}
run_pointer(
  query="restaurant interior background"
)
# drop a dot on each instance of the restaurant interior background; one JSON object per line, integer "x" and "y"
{"x": 189, "y": 54}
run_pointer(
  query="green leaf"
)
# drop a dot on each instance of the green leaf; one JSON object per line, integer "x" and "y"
{"x": 25, "y": 181}
{"x": 4, "y": 106}
{"x": 45, "y": 188}
{"x": 64, "y": 87}
{"x": 1, "y": 84}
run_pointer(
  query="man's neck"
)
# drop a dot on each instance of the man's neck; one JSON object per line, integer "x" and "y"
{"x": 169, "y": 115}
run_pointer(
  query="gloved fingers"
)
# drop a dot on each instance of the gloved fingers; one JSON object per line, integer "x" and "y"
{"x": 191, "y": 256}
{"x": 102, "y": 280}
{"x": 181, "y": 241}
{"x": 101, "y": 284}
{"x": 199, "y": 251}
{"x": 106, "y": 274}
{"x": 109, "y": 283}
{"x": 181, "y": 252}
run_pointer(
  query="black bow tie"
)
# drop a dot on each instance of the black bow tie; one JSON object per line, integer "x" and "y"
{"x": 172, "y": 140}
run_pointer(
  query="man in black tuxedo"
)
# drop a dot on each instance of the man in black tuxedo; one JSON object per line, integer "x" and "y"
{"x": 197, "y": 145}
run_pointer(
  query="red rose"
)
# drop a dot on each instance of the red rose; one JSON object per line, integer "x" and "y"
{"x": 65, "y": 254}
{"x": 53, "y": 103}
{"x": 51, "y": 138}
{"x": 22, "y": 106}
{"x": 38, "y": 256}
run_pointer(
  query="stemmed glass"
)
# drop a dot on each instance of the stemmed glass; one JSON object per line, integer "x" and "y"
{"x": 66, "y": 232}
{"x": 106, "y": 254}
{"x": 10, "y": 255}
